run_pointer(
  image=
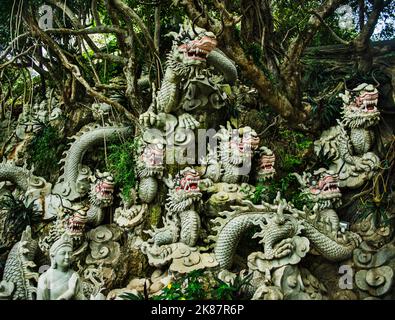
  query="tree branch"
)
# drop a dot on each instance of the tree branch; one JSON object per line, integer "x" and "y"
{"x": 95, "y": 13}
{"x": 130, "y": 75}
{"x": 110, "y": 57}
{"x": 291, "y": 70}
{"x": 11, "y": 44}
{"x": 362, "y": 43}
{"x": 331, "y": 30}
{"x": 128, "y": 12}
{"x": 194, "y": 13}
{"x": 94, "y": 30}
{"x": 74, "y": 20}
{"x": 157, "y": 27}
{"x": 115, "y": 22}
{"x": 304, "y": 38}
{"x": 361, "y": 13}
{"x": 110, "y": 86}
{"x": 368, "y": 29}
{"x": 16, "y": 57}
{"x": 269, "y": 94}
{"x": 230, "y": 19}
{"x": 74, "y": 70}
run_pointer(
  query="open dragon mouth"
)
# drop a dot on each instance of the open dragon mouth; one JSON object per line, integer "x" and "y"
{"x": 367, "y": 102}
{"x": 190, "y": 184}
{"x": 240, "y": 147}
{"x": 328, "y": 185}
{"x": 105, "y": 189}
{"x": 198, "y": 49}
{"x": 266, "y": 163}
{"x": 331, "y": 187}
{"x": 153, "y": 157}
{"x": 76, "y": 224}
{"x": 245, "y": 144}
{"x": 251, "y": 143}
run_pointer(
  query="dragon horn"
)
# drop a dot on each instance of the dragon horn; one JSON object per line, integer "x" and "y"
{"x": 169, "y": 181}
{"x": 345, "y": 85}
{"x": 194, "y": 22}
{"x": 375, "y": 80}
{"x": 299, "y": 178}
{"x": 222, "y": 28}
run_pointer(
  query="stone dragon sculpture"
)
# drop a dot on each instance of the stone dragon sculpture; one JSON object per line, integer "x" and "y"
{"x": 18, "y": 268}
{"x": 182, "y": 221}
{"x": 19, "y": 176}
{"x": 71, "y": 210}
{"x": 322, "y": 190}
{"x": 100, "y": 196}
{"x": 188, "y": 84}
{"x": 276, "y": 228}
{"x": 149, "y": 167}
{"x": 322, "y": 231}
{"x": 175, "y": 242}
{"x": 74, "y": 182}
{"x": 73, "y": 217}
{"x": 237, "y": 150}
{"x": 349, "y": 144}
{"x": 232, "y": 162}
{"x": 65, "y": 202}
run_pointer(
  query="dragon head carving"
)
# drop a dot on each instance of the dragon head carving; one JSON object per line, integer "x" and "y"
{"x": 193, "y": 45}
{"x": 237, "y": 145}
{"x": 102, "y": 190}
{"x": 151, "y": 159}
{"x": 321, "y": 187}
{"x": 183, "y": 190}
{"x": 266, "y": 164}
{"x": 360, "y": 106}
{"x": 74, "y": 223}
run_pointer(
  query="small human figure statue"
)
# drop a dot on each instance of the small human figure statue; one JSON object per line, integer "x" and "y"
{"x": 60, "y": 282}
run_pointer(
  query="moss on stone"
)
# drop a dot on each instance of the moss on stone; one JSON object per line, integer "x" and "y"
{"x": 155, "y": 215}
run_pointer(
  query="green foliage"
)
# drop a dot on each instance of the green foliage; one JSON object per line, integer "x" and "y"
{"x": 121, "y": 163}
{"x": 377, "y": 210}
{"x": 385, "y": 28}
{"x": 377, "y": 201}
{"x": 291, "y": 161}
{"x": 296, "y": 146}
{"x": 292, "y": 149}
{"x": 322, "y": 90}
{"x": 138, "y": 296}
{"x": 225, "y": 291}
{"x": 105, "y": 70}
{"x": 131, "y": 296}
{"x": 327, "y": 110}
{"x": 188, "y": 287}
{"x": 254, "y": 50}
{"x": 200, "y": 285}
{"x": 300, "y": 199}
{"x": 45, "y": 151}
{"x": 288, "y": 186}
{"x": 19, "y": 215}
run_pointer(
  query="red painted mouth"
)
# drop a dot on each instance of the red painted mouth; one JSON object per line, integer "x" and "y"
{"x": 153, "y": 156}
{"x": 105, "y": 189}
{"x": 189, "y": 182}
{"x": 266, "y": 163}
{"x": 76, "y": 224}
{"x": 367, "y": 102}
{"x": 198, "y": 49}
{"x": 328, "y": 184}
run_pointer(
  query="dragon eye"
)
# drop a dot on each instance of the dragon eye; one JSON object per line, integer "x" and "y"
{"x": 314, "y": 183}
